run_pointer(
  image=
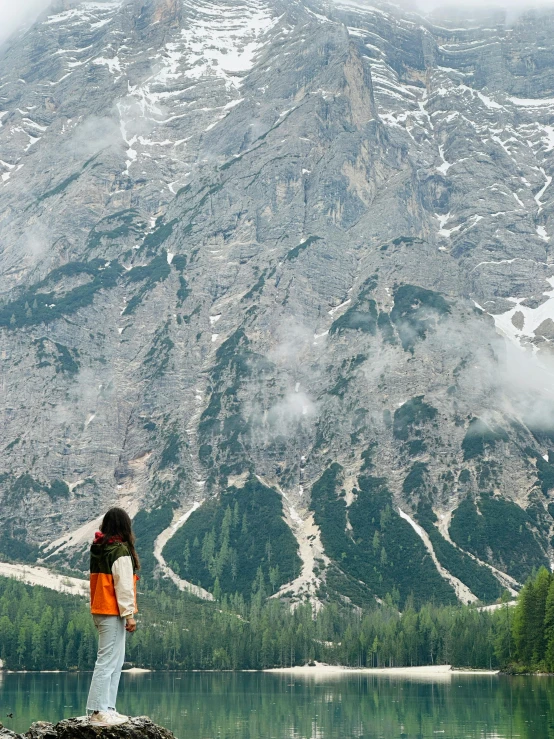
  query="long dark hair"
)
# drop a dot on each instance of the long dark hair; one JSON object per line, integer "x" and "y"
{"x": 116, "y": 522}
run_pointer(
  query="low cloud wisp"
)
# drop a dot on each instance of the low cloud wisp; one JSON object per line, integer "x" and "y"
{"x": 17, "y": 15}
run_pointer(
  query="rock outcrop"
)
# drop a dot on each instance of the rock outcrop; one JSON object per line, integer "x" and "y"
{"x": 78, "y": 728}
{"x": 297, "y": 244}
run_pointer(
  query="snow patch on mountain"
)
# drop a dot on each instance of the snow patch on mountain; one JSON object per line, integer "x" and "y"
{"x": 531, "y": 318}
{"x": 223, "y": 41}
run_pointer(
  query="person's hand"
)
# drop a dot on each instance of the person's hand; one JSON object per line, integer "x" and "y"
{"x": 131, "y": 625}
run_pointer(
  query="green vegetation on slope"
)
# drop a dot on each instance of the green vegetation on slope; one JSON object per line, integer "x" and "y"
{"x": 545, "y": 473}
{"x": 16, "y": 488}
{"x": 479, "y": 579}
{"x": 157, "y": 271}
{"x": 224, "y": 431}
{"x": 14, "y": 545}
{"x": 237, "y": 543}
{"x": 415, "y": 311}
{"x": 362, "y": 315}
{"x": 158, "y": 356}
{"x": 545, "y": 469}
{"x": 480, "y": 437}
{"x": 148, "y": 525}
{"x": 47, "y": 301}
{"x": 386, "y": 328}
{"x": 118, "y": 225}
{"x": 294, "y": 253}
{"x": 499, "y": 532}
{"x": 409, "y": 418}
{"x": 59, "y": 356}
{"x": 155, "y": 239}
{"x": 381, "y": 549}
{"x": 35, "y": 306}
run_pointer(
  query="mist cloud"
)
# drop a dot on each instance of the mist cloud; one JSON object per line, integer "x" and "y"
{"x": 496, "y": 378}
{"x": 478, "y": 13}
{"x": 16, "y": 14}
{"x": 460, "y": 8}
{"x": 290, "y": 410}
{"x": 294, "y": 345}
{"x": 35, "y": 242}
{"x": 93, "y": 135}
{"x": 510, "y": 5}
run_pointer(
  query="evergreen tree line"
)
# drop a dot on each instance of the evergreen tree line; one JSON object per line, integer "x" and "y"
{"x": 532, "y": 643}
{"x": 42, "y": 629}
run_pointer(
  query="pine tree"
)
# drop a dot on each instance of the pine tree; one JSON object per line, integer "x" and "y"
{"x": 522, "y": 618}
{"x": 234, "y": 560}
{"x": 549, "y": 629}
{"x": 376, "y": 542}
{"x": 529, "y": 621}
{"x": 503, "y": 635}
{"x": 186, "y": 556}
{"x": 536, "y": 625}
{"x": 226, "y": 525}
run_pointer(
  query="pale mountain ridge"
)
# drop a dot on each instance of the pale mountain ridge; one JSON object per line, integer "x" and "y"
{"x": 273, "y": 241}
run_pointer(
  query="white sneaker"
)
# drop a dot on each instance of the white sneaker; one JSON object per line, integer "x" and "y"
{"x": 107, "y": 718}
{"x": 116, "y": 712}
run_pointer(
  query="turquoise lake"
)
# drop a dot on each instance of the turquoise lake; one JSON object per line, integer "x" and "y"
{"x": 275, "y": 706}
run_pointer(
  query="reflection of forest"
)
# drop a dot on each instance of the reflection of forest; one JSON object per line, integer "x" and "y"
{"x": 262, "y": 706}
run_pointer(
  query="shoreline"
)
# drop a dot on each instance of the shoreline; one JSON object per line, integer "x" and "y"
{"x": 426, "y": 671}
{"x": 317, "y": 670}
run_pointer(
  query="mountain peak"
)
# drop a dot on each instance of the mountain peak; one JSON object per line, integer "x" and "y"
{"x": 289, "y": 259}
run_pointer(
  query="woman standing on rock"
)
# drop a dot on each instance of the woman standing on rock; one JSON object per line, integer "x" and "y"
{"x": 113, "y": 562}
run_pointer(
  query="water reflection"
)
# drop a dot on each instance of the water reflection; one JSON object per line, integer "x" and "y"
{"x": 276, "y": 706}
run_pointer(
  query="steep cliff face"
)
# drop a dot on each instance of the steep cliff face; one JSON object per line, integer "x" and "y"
{"x": 281, "y": 260}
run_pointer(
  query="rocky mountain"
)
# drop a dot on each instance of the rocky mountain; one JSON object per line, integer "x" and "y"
{"x": 276, "y": 276}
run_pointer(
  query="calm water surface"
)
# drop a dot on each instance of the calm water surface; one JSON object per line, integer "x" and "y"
{"x": 275, "y": 706}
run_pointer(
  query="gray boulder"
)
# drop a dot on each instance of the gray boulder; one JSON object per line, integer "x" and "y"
{"x": 79, "y": 728}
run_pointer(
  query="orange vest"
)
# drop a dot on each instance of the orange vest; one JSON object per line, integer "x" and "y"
{"x": 103, "y": 599}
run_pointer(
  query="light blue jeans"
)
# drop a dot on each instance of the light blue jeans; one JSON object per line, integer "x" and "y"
{"x": 111, "y": 656}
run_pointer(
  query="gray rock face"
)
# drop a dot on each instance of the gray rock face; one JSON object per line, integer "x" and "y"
{"x": 6, "y": 732}
{"x": 73, "y": 728}
{"x": 239, "y": 239}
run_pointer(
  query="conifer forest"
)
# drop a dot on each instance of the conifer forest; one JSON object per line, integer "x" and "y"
{"x": 45, "y": 630}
